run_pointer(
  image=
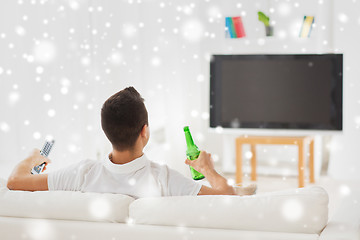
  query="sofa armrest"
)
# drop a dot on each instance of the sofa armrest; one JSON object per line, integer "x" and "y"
{"x": 345, "y": 224}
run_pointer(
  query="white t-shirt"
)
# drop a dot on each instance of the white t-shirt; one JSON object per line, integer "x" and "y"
{"x": 138, "y": 178}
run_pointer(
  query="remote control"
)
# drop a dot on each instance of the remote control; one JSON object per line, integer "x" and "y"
{"x": 45, "y": 151}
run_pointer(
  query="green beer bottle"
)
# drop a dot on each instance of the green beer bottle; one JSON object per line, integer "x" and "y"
{"x": 192, "y": 153}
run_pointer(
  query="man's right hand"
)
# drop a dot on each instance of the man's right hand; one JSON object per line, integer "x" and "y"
{"x": 21, "y": 177}
{"x": 36, "y": 158}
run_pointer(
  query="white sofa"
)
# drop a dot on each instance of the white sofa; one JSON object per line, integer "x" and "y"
{"x": 293, "y": 214}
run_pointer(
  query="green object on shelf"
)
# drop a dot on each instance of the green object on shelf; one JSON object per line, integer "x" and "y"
{"x": 263, "y": 18}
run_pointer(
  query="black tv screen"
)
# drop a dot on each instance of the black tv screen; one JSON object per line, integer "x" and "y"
{"x": 276, "y": 91}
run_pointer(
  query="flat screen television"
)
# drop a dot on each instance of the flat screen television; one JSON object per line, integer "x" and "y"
{"x": 299, "y": 91}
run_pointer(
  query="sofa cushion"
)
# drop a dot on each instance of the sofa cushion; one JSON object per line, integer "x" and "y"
{"x": 39, "y": 229}
{"x": 102, "y": 207}
{"x": 302, "y": 210}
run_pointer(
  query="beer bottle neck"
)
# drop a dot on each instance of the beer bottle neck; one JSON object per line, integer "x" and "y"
{"x": 189, "y": 139}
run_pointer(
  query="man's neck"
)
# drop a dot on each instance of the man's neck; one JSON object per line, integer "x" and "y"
{"x": 123, "y": 157}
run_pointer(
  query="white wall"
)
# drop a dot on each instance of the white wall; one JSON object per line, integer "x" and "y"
{"x": 94, "y": 48}
{"x": 345, "y": 151}
{"x": 46, "y": 81}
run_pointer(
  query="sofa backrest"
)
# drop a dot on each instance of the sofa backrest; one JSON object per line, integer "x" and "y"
{"x": 104, "y": 207}
{"x": 302, "y": 210}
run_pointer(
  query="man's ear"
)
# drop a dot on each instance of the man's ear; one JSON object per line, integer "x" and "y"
{"x": 144, "y": 131}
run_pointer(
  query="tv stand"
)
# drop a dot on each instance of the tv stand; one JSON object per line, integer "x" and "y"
{"x": 298, "y": 141}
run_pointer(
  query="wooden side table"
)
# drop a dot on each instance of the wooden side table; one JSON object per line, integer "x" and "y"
{"x": 253, "y": 140}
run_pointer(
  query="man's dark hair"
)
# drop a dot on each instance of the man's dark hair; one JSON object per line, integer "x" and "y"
{"x": 123, "y": 116}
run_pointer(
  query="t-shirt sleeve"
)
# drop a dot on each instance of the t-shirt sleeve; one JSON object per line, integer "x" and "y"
{"x": 179, "y": 185}
{"x": 70, "y": 178}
